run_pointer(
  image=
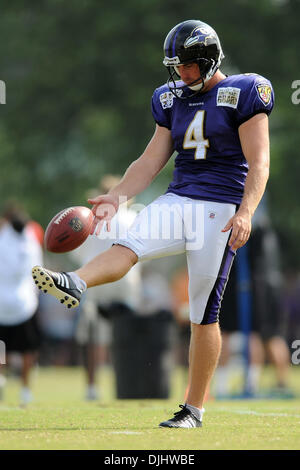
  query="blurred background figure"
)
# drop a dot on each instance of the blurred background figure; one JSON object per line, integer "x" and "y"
{"x": 291, "y": 304}
{"x": 144, "y": 354}
{"x": 57, "y": 326}
{"x": 19, "y": 299}
{"x": 267, "y": 339}
{"x": 229, "y": 324}
{"x": 93, "y": 329}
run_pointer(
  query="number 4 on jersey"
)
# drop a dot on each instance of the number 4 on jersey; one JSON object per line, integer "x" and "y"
{"x": 194, "y": 136}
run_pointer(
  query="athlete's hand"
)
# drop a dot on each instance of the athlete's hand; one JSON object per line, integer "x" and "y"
{"x": 104, "y": 208}
{"x": 240, "y": 224}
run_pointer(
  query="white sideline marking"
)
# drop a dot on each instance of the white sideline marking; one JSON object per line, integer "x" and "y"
{"x": 10, "y": 408}
{"x": 124, "y": 432}
{"x": 258, "y": 413}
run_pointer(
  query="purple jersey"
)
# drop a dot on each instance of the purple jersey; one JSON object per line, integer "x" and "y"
{"x": 210, "y": 163}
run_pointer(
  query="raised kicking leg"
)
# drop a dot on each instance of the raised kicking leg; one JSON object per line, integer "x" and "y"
{"x": 108, "y": 266}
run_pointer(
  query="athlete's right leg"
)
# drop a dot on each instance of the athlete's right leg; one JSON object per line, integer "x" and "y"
{"x": 109, "y": 266}
{"x": 157, "y": 231}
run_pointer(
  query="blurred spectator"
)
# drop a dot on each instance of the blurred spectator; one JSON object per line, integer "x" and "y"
{"x": 34, "y": 229}
{"x": 143, "y": 339}
{"x": 93, "y": 331}
{"x": 267, "y": 338}
{"x": 57, "y": 326}
{"x": 229, "y": 324}
{"x": 155, "y": 293}
{"x": 19, "y": 251}
{"x": 291, "y": 305}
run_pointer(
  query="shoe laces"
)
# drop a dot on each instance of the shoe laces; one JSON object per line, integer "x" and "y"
{"x": 184, "y": 410}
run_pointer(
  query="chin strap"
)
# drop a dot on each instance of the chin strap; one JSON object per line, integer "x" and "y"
{"x": 177, "y": 91}
{"x": 209, "y": 68}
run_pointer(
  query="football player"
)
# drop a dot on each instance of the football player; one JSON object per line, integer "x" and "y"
{"x": 218, "y": 125}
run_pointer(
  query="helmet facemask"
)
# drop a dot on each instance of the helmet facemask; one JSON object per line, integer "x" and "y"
{"x": 192, "y": 42}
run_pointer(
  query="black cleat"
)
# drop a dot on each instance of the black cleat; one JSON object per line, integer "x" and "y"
{"x": 182, "y": 419}
{"x": 60, "y": 285}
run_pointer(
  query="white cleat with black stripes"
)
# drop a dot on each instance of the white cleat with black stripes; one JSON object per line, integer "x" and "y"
{"x": 60, "y": 285}
{"x": 182, "y": 419}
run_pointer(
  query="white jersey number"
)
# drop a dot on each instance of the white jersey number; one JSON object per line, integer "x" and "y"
{"x": 194, "y": 136}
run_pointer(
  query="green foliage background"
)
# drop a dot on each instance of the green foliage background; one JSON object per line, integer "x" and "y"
{"x": 79, "y": 78}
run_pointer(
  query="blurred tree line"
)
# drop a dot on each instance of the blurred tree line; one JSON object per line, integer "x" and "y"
{"x": 79, "y": 79}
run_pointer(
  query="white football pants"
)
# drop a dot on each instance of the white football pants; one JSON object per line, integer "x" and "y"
{"x": 174, "y": 224}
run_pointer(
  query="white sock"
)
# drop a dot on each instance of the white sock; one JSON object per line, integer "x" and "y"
{"x": 26, "y": 395}
{"x": 2, "y": 384}
{"x": 197, "y": 412}
{"x": 221, "y": 381}
{"x": 78, "y": 281}
{"x": 92, "y": 392}
{"x": 2, "y": 380}
{"x": 253, "y": 377}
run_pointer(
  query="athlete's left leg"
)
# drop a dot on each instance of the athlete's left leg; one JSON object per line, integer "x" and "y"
{"x": 28, "y": 360}
{"x": 205, "y": 348}
{"x": 208, "y": 268}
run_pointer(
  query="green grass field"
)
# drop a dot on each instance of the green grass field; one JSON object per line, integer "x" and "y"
{"x": 60, "y": 419}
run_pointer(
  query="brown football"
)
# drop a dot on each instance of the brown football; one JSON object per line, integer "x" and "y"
{"x": 68, "y": 229}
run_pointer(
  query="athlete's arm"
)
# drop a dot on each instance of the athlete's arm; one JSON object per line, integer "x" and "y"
{"x": 137, "y": 177}
{"x": 254, "y": 137}
{"x": 142, "y": 171}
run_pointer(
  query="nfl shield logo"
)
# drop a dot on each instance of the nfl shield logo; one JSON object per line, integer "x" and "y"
{"x": 76, "y": 224}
